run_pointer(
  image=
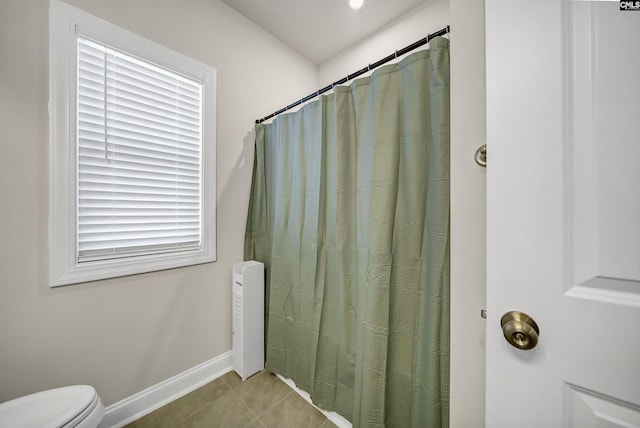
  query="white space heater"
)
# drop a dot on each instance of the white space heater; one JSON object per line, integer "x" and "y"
{"x": 247, "y": 327}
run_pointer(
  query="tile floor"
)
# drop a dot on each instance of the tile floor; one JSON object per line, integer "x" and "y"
{"x": 262, "y": 401}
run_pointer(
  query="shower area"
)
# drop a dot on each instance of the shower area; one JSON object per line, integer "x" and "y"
{"x": 350, "y": 214}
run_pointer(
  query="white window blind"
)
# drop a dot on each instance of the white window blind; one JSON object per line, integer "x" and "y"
{"x": 139, "y": 173}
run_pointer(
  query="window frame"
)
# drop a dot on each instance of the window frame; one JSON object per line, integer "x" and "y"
{"x": 64, "y": 23}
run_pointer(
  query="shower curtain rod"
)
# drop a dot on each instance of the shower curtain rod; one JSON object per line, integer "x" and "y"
{"x": 360, "y": 72}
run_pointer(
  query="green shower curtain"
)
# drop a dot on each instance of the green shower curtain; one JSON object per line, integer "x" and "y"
{"x": 349, "y": 211}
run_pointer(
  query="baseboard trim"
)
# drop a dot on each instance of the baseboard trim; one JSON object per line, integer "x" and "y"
{"x": 144, "y": 402}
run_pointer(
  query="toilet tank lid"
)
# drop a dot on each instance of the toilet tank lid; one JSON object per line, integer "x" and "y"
{"x": 51, "y": 408}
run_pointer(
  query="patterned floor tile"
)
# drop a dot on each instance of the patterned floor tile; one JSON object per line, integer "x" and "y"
{"x": 292, "y": 412}
{"x": 261, "y": 392}
{"x": 200, "y": 398}
{"x": 227, "y": 411}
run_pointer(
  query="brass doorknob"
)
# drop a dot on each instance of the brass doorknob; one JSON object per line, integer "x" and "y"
{"x": 520, "y": 330}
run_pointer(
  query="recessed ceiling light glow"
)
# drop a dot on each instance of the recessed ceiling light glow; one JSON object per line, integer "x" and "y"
{"x": 356, "y": 4}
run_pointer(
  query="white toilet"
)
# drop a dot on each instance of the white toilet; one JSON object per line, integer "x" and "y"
{"x": 76, "y": 406}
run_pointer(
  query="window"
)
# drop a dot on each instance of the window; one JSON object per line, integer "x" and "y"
{"x": 132, "y": 153}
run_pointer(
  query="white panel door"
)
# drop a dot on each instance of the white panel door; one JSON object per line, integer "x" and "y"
{"x": 563, "y": 212}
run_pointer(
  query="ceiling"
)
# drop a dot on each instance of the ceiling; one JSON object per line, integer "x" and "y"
{"x": 320, "y": 29}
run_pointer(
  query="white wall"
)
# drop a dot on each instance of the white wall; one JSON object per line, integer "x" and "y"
{"x": 126, "y": 334}
{"x": 468, "y": 193}
{"x": 431, "y": 16}
{"x": 468, "y": 215}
